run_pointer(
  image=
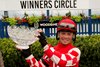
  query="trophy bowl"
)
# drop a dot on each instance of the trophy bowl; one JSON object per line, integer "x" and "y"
{"x": 23, "y": 36}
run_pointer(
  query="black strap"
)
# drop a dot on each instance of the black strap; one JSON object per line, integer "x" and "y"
{"x": 43, "y": 61}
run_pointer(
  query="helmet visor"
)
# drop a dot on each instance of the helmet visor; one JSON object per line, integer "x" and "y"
{"x": 64, "y": 25}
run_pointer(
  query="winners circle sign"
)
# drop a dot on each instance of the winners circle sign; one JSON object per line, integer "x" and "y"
{"x": 55, "y": 4}
{"x": 43, "y": 4}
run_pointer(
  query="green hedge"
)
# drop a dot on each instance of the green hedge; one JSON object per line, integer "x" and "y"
{"x": 90, "y": 50}
{"x": 89, "y": 46}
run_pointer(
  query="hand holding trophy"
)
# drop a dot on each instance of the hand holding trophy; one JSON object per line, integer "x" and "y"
{"x": 23, "y": 36}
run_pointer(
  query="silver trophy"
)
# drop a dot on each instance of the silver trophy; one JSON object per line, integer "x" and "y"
{"x": 23, "y": 36}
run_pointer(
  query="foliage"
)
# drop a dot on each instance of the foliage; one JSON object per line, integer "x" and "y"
{"x": 95, "y": 16}
{"x": 55, "y": 18}
{"x": 17, "y": 20}
{"x": 34, "y": 19}
{"x": 76, "y": 18}
{"x": 89, "y": 46}
{"x": 11, "y": 21}
{"x": 11, "y": 56}
{"x": 68, "y": 14}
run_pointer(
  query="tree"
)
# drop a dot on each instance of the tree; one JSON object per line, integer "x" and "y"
{"x": 1, "y": 60}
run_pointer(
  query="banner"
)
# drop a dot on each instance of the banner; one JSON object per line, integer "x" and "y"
{"x": 43, "y": 4}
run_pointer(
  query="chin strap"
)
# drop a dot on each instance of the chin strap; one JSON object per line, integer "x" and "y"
{"x": 57, "y": 36}
{"x": 74, "y": 37}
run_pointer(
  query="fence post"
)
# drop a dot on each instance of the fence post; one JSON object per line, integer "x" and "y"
{"x": 47, "y": 14}
{"x": 89, "y": 12}
{"x": 6, "y": 31}
{"x": 6, "y": 13}
{"x": 82, "y": 26}
{"x": 1, "y": 29}
{"x": 97, "y": 24}
{"x": 89, "y": 22}
{"x": 89, "y": 26}
{"x": 47, "y": 30}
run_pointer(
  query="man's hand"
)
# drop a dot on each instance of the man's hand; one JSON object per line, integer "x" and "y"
{"x": 42, "y": 38}
{"x": 25, "y": 52}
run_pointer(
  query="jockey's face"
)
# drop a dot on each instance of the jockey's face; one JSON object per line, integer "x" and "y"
{"x": 65, "y": 37}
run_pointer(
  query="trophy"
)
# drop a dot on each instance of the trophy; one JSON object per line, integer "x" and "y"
{"x": 23, "y": 36}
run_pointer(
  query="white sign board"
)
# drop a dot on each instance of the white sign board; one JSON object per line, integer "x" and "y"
{"x": 43, "y": 4}
{"x": 94, "y": 4}
{"x": 2, "y": 4}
